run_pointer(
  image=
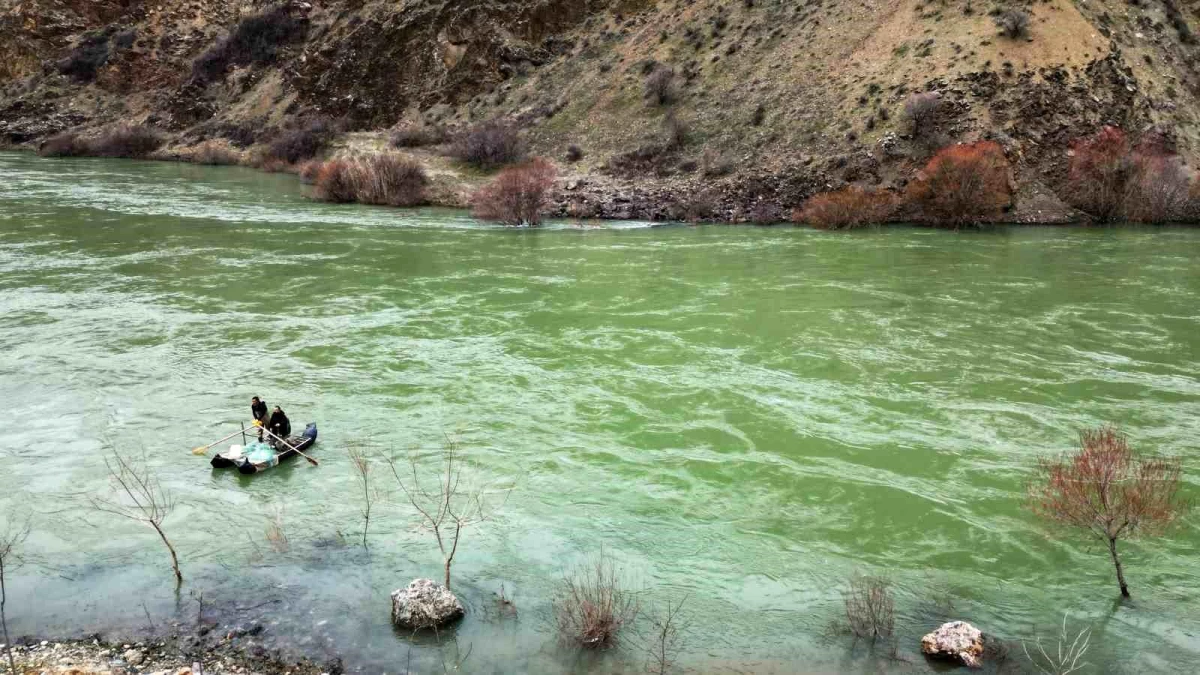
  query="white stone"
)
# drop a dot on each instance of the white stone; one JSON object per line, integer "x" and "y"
{"x": 424, "y": 603}
{"x": 955, "y": 641}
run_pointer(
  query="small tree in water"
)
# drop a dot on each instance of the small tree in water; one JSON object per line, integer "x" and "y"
{"x": 446, "y": 501}
{"x": 1105, "y": 489}
{"x": 141, "y": 498}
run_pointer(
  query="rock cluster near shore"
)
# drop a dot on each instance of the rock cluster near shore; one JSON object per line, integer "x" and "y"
{"x": 94, "y": 657}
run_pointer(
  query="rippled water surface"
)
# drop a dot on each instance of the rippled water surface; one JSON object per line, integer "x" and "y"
{"x": 740, "y": 417}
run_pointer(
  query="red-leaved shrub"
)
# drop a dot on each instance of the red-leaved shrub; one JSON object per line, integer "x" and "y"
{"x": 518, "y": 195}
{"x": 1111, "y": 178}
{"x": 849, "y": 207}
{"x": 962, "y": 184}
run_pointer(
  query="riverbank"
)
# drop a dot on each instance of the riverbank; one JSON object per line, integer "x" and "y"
{"x": 207, "y": 651}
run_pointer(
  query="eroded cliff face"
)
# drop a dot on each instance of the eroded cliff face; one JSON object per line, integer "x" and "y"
{"x": 790, "y": 96}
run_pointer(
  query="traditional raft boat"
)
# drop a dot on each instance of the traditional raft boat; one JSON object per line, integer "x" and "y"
{"x": 258, "y": 456}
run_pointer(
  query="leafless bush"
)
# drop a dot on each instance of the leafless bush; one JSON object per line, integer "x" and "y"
{"x": 256, "y": 39}
{"x": 847, "y": 208}
{"x": 214, "y": 153}
{"x": 387, "y": 180}
{"x": 447, "y": 504}
{"x": 12, "y": 537}
{"x": 416, "y": 136}
{"x": 714, "y": 164}
{"x": 591, "y": 606}
{"x": 870, "y": 611}
{"x": 361, "y": 462}
{"x": 64, "y": 144}
{"x": 920, "y": 112}
{"x": 660, "y": 85}
{"x": 307, "y": 139}
{"x": 489, "y": 145}
{"x": 127, "y": 141}
{"x": 140, "y": 497}
{"x": 675, "y": 131}
{"x": 1067, "y": 655}
{"x": 1014, "y": 23}
{"x": 574, "y": 153}
{"x": 664, "y": 644}
{"x": 962, "y": 184}
{"x": 1159, "y": 188}
{"x": 518, "y": 196}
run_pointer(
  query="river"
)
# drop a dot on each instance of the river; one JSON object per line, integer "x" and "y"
{"x": 740, "y": 417}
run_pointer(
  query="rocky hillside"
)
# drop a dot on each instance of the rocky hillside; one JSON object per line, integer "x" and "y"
{"x": 756, "y": 103}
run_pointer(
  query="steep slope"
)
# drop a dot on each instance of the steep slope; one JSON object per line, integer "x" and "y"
{"x": 764, "y": 101}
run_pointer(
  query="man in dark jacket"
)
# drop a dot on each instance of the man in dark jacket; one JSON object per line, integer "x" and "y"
{"x": 280, "y": 425}
{"x": 258, "y": 411}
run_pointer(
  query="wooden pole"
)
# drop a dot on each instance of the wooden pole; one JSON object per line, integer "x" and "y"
{"x": 290, "y": 447}
{"x": 200, "y": 450}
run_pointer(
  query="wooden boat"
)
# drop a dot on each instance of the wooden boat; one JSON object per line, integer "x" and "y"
{"x": 258, "y": 456}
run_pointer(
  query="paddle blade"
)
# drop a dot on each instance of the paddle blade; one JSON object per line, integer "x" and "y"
{"x": 199, "y": 451}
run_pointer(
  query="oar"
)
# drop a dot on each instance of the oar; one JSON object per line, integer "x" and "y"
{"x": 290, "y": 446}
{"x": 204, "y": 448}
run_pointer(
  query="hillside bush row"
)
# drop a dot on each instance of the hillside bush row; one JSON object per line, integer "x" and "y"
{"x": 1109, "y": 178}
{"x": 124, "y": 141}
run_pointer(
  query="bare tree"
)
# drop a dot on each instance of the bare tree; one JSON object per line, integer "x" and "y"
{"x": 11, "y": 538}
{"x": 1105, "y": 489}
{"x": 448, "y": 506}
{"x": 362, "y": 469}
{"x": 665, "y": 642}
{"x": 139, "y": 497}
{"x": 275, "y": 534}
{"x": 921, "y": 111}
{"x": 1014, "y": 23}
{"x": 1066, "y": 657}
{"x": 870, "y": 610}
{"x": 592, "y": 605}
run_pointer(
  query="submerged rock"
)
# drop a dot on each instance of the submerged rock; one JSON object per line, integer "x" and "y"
{"x": 424, "y": 604}
{"x": 955, "y": 641}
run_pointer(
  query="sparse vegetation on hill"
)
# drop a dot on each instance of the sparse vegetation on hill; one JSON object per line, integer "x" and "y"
{"x": 765, "y": 103}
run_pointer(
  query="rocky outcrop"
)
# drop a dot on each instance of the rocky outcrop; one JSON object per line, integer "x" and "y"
{"x": 424, "y": 603}
{"x": 955, "y": 641}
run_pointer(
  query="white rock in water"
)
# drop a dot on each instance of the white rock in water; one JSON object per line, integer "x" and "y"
{"x": 955, "y": 641}
{"x": 424, "y": 604}
{"x": 133, "y": 657}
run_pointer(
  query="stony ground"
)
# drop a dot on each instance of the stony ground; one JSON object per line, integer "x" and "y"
{"x": 153, "y": 657}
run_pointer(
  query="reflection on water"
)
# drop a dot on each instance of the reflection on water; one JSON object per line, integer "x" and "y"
{"x": 742, "y": 417}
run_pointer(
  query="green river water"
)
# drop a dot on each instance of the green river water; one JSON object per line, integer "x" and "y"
{"x": 742, "y": 417}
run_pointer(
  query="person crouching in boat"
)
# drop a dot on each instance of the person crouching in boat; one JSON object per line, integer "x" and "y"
{"x": 258, "y": 412}
{"x": 279, "y": 424}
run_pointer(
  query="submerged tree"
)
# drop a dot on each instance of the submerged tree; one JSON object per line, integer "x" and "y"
{"x": 11, "y": 538}
{"x": 139, "y": 497}
{"x": 362, "y": 469}
{"x": 1104, "y": 488}
{"x": 447, "y": 501}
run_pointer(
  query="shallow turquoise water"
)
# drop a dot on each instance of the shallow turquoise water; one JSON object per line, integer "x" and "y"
{"x": 742, "y": 417}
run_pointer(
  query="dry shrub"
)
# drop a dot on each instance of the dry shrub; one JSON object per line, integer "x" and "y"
{"x": 417, "y": 136}
{"x": 489, "y": 145}
{"x": 847, "y": 208}
{"x": 308, "y": 171}
{"x": 920, "y": 112}
{"x": 89, "y": 55}
{"x": 214, "y": 153}
{"x": 591, "y": 606}
{"x": 517, "y": 196}
{"x": 1110, "y": 178}
{"x": 660, "y": 85}
{"x": 257, "y": 39}
{"x": 65, "y": 144}
{"x": 128, "y": 141}
{"x": 1014, "y": 23}
{"x": 574, "y": 153}
{"x": 870, "y": 610}
{"x": 962, "y": 184}
{"x": 386, "y": 180}
{"x": 306, "y": 140}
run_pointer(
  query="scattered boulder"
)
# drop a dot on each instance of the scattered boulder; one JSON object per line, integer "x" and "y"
{"x": 955, "y": 641}
{"x": 133, "y": 657}
{"x": 424, "y": 604}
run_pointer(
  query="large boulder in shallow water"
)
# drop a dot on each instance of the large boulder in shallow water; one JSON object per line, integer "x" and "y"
{"x": 955, "y": 641}
{"x": 424, "y": 604}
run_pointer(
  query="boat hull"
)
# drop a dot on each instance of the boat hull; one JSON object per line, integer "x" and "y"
{"x": 246, "y": 466}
